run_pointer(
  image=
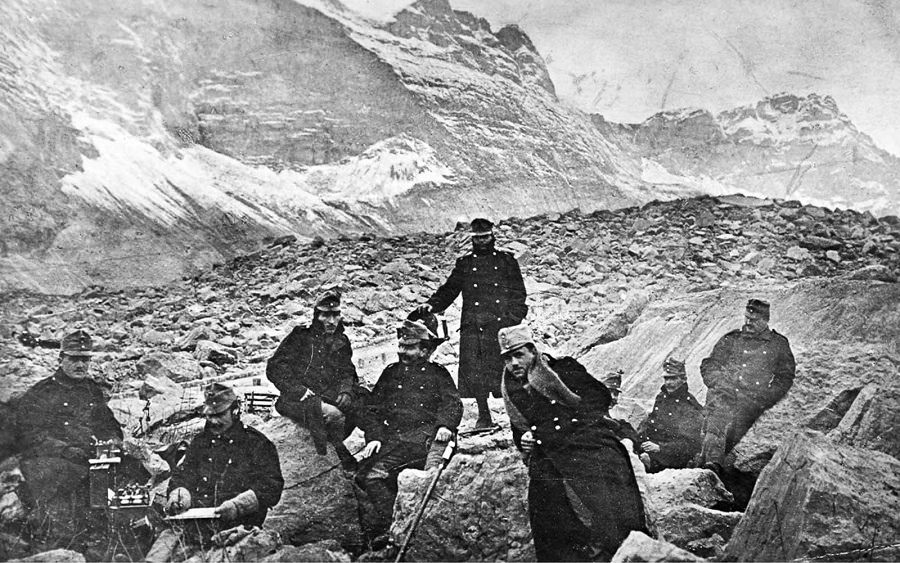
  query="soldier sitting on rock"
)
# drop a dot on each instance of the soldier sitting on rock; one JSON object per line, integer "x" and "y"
{"x": 623, "y": 429}
{"x": 750, "y": 369}
{"x": 229, "y": 467}
{"x": 670, "y": 436}
{"x": 414, "y": 410}
{"x": 57, "y": 422}
{"x": 313, "y": 368}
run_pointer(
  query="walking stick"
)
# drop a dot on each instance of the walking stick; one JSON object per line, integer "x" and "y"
{"x": 445, "y": 460}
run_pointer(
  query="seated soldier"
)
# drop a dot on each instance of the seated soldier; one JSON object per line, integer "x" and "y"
{"x": 670, "y": 436}
{"x": 313, "y": 369}
{"x": 414, "y": 410}
{"x": 622, "y": 428}
{"x": 57, "y": 422}
{"x": 230, "y": 467}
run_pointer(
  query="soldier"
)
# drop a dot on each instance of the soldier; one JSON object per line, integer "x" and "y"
{"x": 750, "y": 369}
{"x": 583, "y": 498}
{"x": 228, "y": 466}
{"x": 623, "y": 429}
{"x": 313, "y": 368}
{"x": 57, "y": 421}
{"x": 493, "y": 297}
{"x": 414, "y": 410}
{"x": 670, "y": 436}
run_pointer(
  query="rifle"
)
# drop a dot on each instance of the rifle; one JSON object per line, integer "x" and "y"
{"x": 445, "y": 460}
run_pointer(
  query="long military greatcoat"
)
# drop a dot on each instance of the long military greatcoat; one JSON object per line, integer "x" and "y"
{"x": 493, "y": 297}
{"x": 410, "y": 402}
{"x": 673, "y": 424}
{"x": 583, "y": 498}
{"x": 218, "y": 468}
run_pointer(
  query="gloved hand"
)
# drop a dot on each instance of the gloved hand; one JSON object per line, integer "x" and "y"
{"x": 343, "y": 400}
{"x": 372, "y": 448}
{"x": 241, "y": 505}
{"x": 179, "y": 500}
{"x": 423, "y": 309}
{"x": 443, "y": 434}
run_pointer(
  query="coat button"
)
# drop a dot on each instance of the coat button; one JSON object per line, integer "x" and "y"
{"x": 556, "y": 419}
{"x": 574, "y": 420}
{"x": 400, "y": 387}
{"x": 65, "y": 404}
{"x": 66, "y": 423}
{"x": 539, "y": 442}
{"x": 205, "y": 479}
{"x": 474, "y": 285}
{"x": 557, "y": 427}
{"x": 553, "y": 401}
{"x": 534, "y": 427}
{"x": 498, "y": 301}
{"x": 474, "y": 269}
{"x": 476, "y": 303}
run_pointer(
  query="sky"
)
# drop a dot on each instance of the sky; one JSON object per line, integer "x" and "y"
{"x": 628, "y": 59}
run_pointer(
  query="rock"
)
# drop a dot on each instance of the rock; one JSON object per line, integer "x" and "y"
{"x": 398, "y": 266}
{"x": 684, "y": 501}
{"x": 153, "y": 386}
{"x": 833, "y": 255}
{"x": 11, "y": 509}
{"x": 56, "y": 556}
{"x": 874, "y": 272}
{"x": 318, "y": 502}
{"x": 765, "y": 264}
{"x": 260, "y": 543}
{"x": 522, "y": 252}
{"x": 613, "y": 327}
{"x": 208, "y": 351}
{"x": 327, "y": 550}
{"x": 189, "y": 341}
{"x": 157, "y": 337}
{"x": 177, "y": 366}
{"x": 816, "y": 498}
{"x": 712, "y": 547}
{"x": 872, "y": 421}
{"x": 478, "y": 511}
{"x": 798, "y": 253}
{"x": 820, "y": 243}
{"x": 641, "y": 547}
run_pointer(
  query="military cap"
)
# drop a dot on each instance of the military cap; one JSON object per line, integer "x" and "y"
{"x": 759, "y": 308}
{"x": 413, "y": 332}
{"x": 329, "y": 300}
{"x": 480, "y": 226}
{"x": 613, "y": 380}
{"x": 674, "y": 367}
{"x": 514, "y": 337}
{"x": 217, "y": 398}
{"x": 77, "y": 343}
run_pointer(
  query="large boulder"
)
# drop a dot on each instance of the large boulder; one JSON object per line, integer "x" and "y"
{"x": 818, "y": 499}
{"x": 318, "y": 502}
{"x": 641, "y": 547}
{"x": 56, "y": 556}
{"x": 685, "y": 506}
{"x": 872, "y": 421}
{"x": 327, "y": 550}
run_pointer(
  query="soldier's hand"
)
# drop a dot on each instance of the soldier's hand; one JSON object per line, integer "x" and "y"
{"x": 645, "y": 459}
{"x": 343, "y": 400}
{"x": 528, "y": 442}
{"x": 423, "y": 309}
{"x": 650, "y": 447}
{"x": 443, "y": 434}
{"x": 228, "y": 510}
{"x": 307, "y": 395}
{"x": 372, "y": 448}
{"x": 179, "y": 500}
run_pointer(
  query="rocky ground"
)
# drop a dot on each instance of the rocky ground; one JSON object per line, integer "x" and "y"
{"x": 615, "y": 288}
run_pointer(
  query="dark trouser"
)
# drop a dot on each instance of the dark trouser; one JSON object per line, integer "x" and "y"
{"x": 727, "y": 420}
{"x": 323, "y": 420}
{"x": 377, "y": 476}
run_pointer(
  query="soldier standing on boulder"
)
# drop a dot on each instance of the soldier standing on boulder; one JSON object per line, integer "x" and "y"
{"x": 670, "y": 436}
{"x": 583, "y": 498}
{"x": 57, "y": 421}
{"x": 313, "y": 368}
{"x": 750, "y": 369}
{"x": 493, "y": 297}
{"x": 414, "y": 410}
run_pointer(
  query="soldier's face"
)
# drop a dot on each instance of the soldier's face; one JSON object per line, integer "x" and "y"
{"x": 330, "y": 320}
{"x": 482, "y": 242}
{"x": 221, "y": 422}
{"x": 754, "y": 324}
{"x": 411, "y": 354}
{"x": 519, "y": 361}
{"x": 614, "y": 397}
{"x": 671, "y": 383}
{"x": 76, "y": 367}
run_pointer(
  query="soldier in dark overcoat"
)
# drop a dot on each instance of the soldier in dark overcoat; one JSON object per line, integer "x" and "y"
{"x": 414, "y": 411}
{"x": 583, "y": 498}
{"x": 229, "y": 466}
{"x": 313, "y": 369}
{"x": 670, "y": 435}
{"x": 750, "y": 369}
{"x": 493, "y": 297}
{"x": 57, "y": 422}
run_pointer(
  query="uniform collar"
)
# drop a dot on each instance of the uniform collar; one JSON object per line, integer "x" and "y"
{"x": 764, "y": 335}
{"x": 679, "y": 393}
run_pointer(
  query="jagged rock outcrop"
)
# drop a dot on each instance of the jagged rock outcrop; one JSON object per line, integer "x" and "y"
{"x": 641, "y": 547}
{"x": 872, "y": 421}
{"x": 818, "y": 499}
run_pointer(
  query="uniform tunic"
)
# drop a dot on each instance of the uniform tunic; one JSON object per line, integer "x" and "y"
{"x": 583, "y": 498}
{"x": 218, "y": 468}
{"x": 746, "y": 374}
{"x": 673, "y": 424}
{"x": 493, "y": 297}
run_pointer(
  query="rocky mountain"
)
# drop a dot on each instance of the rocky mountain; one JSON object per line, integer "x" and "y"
{"x": 787, "y": 146}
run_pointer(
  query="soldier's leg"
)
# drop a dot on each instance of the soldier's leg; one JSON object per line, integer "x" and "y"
{"x": 743, "y": 417}
{"x": 335, "y": 423}
{"x": 484, "y": 412}
{"x": 435, "y": 453}
{"x": 715, "y": 428}
{"x": 377, "y": 477}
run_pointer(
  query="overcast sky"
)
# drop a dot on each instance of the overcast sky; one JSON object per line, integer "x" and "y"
{"x": 628, "y": 59}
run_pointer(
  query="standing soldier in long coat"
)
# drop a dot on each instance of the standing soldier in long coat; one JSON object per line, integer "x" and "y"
{"x": 750, "y": 369}
{"x": 493, "y": 297}
{"x": 583, "y": 498}
{"x": 670, "y": 435}
{"x": 57, "y": 421}
{"x": 313, "y": 369}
